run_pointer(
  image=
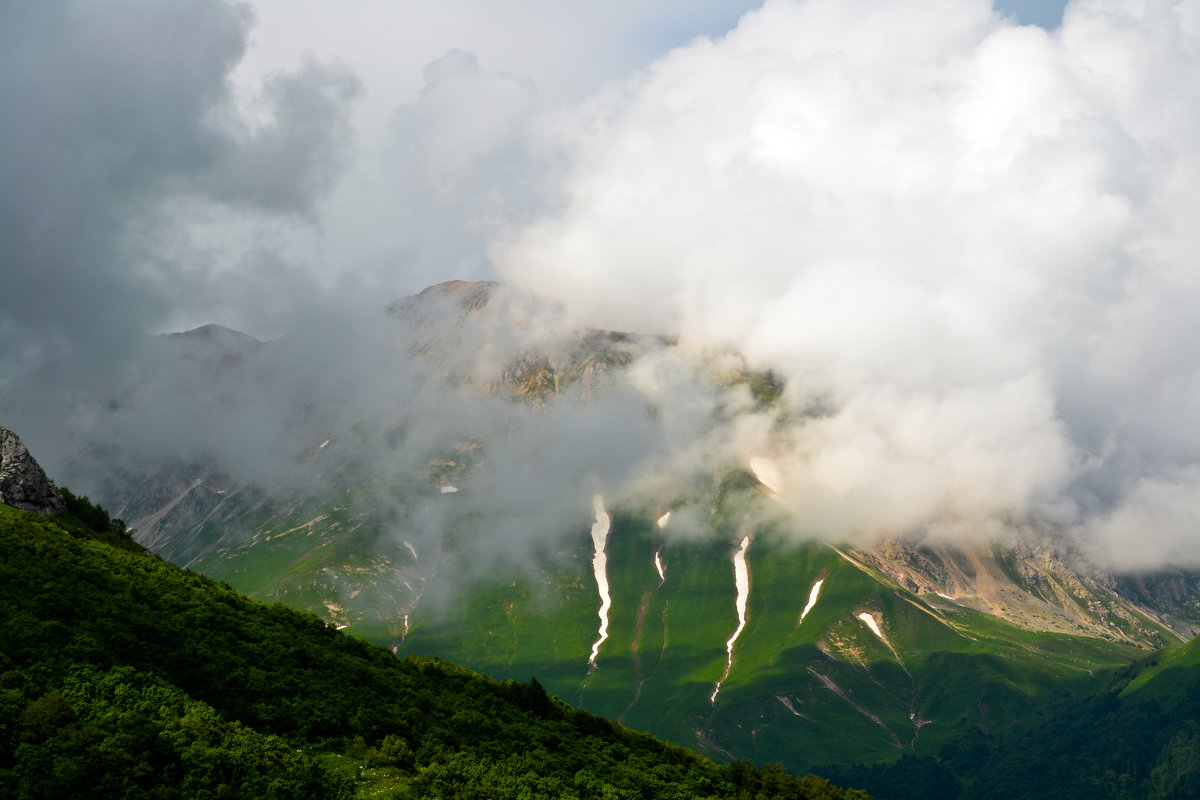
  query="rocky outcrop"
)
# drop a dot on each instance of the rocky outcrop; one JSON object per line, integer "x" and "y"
{"x": 23, "y": 483}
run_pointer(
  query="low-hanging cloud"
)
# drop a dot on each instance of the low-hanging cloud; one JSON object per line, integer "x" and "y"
{"x": 968, "y": 245}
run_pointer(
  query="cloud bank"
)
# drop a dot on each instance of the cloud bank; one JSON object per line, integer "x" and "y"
{"x": 967, "y": 244}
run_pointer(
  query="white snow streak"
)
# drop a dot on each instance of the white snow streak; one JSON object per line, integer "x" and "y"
{"x": 449, "y": 489}
{"x": 658, "y": 565}
{"x": 812, "y": 599}
{"x": 663, "y": 520}
{"x": 767, "y": 473}
{"x": 600, "y": 568}
{"x": 412, "y": 550}
{"x": 741, "y": 578}
{"x": 872, "y": 624}
{"x": 324, "y": 443}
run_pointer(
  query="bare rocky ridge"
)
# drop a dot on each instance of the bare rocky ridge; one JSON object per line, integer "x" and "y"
{"x": 23, "y": 483}
{"x": 1027, "y": 583}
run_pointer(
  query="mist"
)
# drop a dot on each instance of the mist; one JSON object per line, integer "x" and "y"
{"x": 965, "y": 245}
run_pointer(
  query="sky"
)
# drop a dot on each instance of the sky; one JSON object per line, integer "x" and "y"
{"x": 963, "y": 233}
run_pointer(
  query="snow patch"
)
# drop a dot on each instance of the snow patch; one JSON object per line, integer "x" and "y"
{"x": 741, "y": 579}
{"x": 323, "y": 444}
{"x": 767, "y": 474}
{"x": 412, "y": 550}
{"x": 449, "y": 489}
{"x": 600, "y": 567}
{"x": 663, "y": 520}
{"x": 658, "y": 565}
{"x": 812, "y": 599}
{"x": 870, "y": 622}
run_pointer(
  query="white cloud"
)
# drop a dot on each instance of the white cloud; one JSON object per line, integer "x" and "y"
{"x": 967, "y": 241}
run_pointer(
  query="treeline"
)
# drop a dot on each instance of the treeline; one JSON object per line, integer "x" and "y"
{"x": 124, "y": 676}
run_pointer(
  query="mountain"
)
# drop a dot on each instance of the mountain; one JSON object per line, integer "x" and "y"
{"x": 433, "y": 504}
{"x": 123, "y": 675}
{"x": 803, "y": 654}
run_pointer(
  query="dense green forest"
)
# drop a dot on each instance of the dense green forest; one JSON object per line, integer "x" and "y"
{"x": 122, "y": 675}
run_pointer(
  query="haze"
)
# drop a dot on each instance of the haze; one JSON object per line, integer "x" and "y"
{"x": 965, "y": 235}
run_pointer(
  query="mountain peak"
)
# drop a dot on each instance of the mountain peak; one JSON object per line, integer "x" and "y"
{"x": 214, "y": 344}
{"x": 460, "y": 299}
{"x": 23, "y": 483}
{"x": 215, "y": 335}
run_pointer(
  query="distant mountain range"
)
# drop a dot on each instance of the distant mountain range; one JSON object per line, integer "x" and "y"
{"x": 391, "y": 516}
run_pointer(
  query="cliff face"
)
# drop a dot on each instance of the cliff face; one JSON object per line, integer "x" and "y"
{"x": 23, "y": 483}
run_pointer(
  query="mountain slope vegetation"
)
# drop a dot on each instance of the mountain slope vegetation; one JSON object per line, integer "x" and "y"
{"x": 442, "y": 508}
{"x": 833, "y": 664}
{"x": 123, "y": 675}
{"x": 1137, "y": 738}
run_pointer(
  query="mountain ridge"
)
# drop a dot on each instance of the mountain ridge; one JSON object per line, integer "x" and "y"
{"x": 355, "y": 546}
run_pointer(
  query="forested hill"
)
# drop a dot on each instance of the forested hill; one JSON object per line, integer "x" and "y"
{"x": 122, "y": 675}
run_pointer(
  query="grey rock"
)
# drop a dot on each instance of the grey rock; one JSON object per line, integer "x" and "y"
{"x": 23, "y": 483}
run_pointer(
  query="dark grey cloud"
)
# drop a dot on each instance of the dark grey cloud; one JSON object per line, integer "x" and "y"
{"x": 116, "y": 113}
{"x": 298, "y": 156}
{"x": 105, "y": 105}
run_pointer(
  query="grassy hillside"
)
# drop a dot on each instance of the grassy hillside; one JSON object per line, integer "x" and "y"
{"x": 1139, "y": 737}
{"x": 1130, "y": 734}
{"x": 826, "y": 690}
{"x": 122, "y": 675}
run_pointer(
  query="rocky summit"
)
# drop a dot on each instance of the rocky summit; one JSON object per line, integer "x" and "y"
{"x": 23, "y": 483}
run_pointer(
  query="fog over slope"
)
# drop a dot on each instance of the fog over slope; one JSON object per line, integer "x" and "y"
{"x": 969, "y": 246}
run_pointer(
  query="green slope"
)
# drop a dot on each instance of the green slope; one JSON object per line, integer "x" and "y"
{"x": 1160, "y": 673}
{"x": 822, "y": 691}
{"x": 826, "y": 691}
{"x": 1137, "y": 737}
{"x": 122, "y": 675}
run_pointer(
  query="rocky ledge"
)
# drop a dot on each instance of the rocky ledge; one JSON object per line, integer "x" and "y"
{"x": 23, "y": 483}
